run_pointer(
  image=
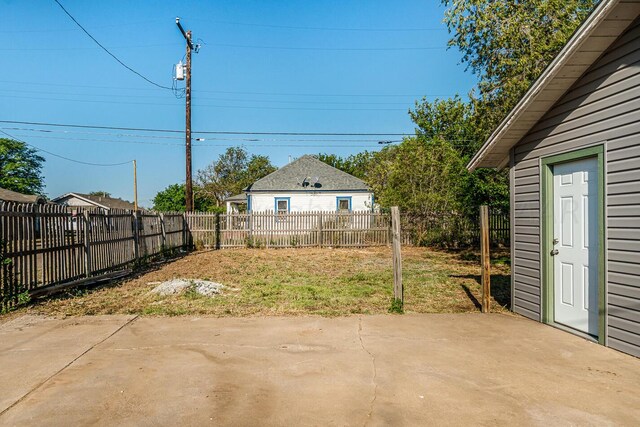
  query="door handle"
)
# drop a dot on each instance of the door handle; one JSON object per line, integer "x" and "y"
{"x": 554, "y": 252}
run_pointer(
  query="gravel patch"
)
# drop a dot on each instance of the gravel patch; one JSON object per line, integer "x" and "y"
{"x": 178, "y": 286}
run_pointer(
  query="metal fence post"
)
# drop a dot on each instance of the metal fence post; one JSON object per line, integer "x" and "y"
{"x": 87, "y": 244}
{"x": 164, "y": 232}
{"x": 250, "y": 226}
{"x": 217, "y": 231}
{"x": 485, "y": 258}
{"x": 398, "y": 290}
{"x": 136, "y": 236}
{"x": 186, "y": 234}
{"x": 320, "y": 237}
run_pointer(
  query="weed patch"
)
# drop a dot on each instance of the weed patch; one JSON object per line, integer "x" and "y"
{"x": 300, "y": 281}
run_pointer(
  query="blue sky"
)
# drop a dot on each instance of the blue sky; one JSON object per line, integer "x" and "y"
{"x": 264, "y": 66}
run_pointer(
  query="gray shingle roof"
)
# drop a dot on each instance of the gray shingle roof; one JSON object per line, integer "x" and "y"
{"x": 12, "y": 196}
{"x": 237, "y": 198}
{"x": 290, "y": 178}
{"x": 108, "y": 202}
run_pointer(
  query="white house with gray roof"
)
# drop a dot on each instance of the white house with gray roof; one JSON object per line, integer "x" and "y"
{"x": 101, "y": 203}
{"x": 308, "y": 184}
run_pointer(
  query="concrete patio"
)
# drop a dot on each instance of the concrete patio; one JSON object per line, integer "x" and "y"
{"x": 370, "y": 370}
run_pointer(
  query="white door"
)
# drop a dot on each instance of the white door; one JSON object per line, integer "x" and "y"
{"x": 575, "y": 245}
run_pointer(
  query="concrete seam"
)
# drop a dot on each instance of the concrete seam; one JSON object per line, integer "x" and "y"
{"x": 46, "y": 380}
{"x": 375, "y": 372}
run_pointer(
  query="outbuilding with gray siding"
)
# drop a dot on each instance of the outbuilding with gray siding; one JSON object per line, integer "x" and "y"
{"x": 572, "y": 146}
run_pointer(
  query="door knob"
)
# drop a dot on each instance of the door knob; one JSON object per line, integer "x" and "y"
{"x": 554, "y": 252}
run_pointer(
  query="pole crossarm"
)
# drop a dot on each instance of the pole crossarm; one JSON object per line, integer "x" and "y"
{"x": 184, "y": 33}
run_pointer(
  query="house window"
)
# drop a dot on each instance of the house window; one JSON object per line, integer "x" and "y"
{"x": 343, "y": 204}
{"x": 283, "y": 205}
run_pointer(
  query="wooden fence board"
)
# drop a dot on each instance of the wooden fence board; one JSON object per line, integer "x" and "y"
{"x": 294, "y": 229}
{"x": 50, "y": 245}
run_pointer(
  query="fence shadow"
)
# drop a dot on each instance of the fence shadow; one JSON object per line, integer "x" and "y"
{"x": 74, "y": 291}
{"x": 500, "y": 288}
{"x": 472, "y": 297}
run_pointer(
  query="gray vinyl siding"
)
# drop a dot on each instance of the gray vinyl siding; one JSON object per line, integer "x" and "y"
{"x": 603, "y": 107}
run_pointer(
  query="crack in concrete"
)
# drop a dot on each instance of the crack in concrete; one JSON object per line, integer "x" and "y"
{"x": 196, "y": 344}
{"x": 375, "y": 373}
{"x": 46, "y": 380}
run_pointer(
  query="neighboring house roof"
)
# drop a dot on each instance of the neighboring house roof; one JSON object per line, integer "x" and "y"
{"x": 301, "y": 174}
{"x": 238, "y": 198}
{"x": 100, "y": 201}
{"x": 605, "y": 24}
{"x": 12, "y": 196}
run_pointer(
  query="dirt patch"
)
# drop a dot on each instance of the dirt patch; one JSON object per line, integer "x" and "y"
{"x": 180, "y": 286}
{"x": 328, "y": 282}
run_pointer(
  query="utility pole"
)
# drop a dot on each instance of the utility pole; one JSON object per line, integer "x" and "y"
{"x": 135, "y": 186}
{"x": 189, "y": 179}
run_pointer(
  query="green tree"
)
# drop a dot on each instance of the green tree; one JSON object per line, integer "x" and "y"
{"x": 425, "y": 175}
{"x": 20, "y": 167}
{"x": 420, "y": 175}
{"x": 354, "y": 164}
{"x": 173, "y": 199}
{"x": 100, "y": 194}
{"x": 455, "y": 121}
{"x": 233, "y": 171}
{"x": 508, "y": 44}
{"x": 447, "y": 119}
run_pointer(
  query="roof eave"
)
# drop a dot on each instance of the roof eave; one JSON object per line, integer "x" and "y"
{"x": 83, "y": 198}
{"x": 351, "y": 190}
{"x": 552, "y": 70}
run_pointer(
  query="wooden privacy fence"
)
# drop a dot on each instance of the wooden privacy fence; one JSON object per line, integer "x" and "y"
{"x": 48, "y": 246}
{"x": 286, "y": 230}
{"x": 42, "y": 246}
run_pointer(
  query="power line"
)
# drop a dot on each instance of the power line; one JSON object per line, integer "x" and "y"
{"x": 63, "y": 157}
{"x": 316, "y": 48}
{"x": 302, "y": 144}
{"x": 247, "y": 24}
{"x": 206, "y": 132}
{"x": 107, "y": 50}
{"x": 59, "y": 30}
{"x": 121, "y": 135}
{"x": 228, "y": 45}
{"x": 57, "y": 49}
{"x": 292, "y": 27}
{"x": 306, "y": 94}
{"x": 241, "y": 107}
{"x": 117, "y": 141}
{"x": 267, "y": 142}
{"x": 276, "y": 101}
